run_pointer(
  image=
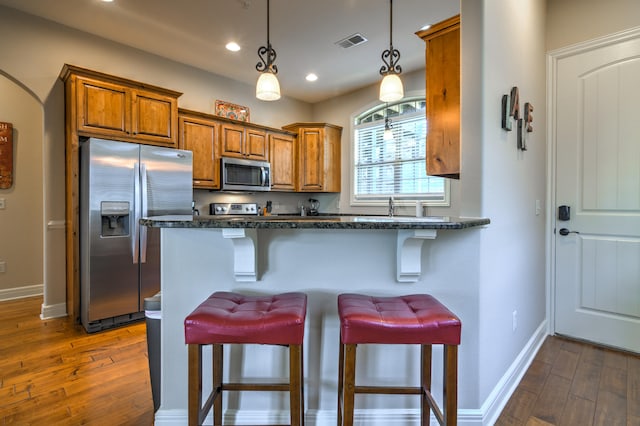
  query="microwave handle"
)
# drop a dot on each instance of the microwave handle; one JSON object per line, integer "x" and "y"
{"x": 265, "y": 181}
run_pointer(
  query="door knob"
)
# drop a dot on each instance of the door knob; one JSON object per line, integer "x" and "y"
{"x": 565, "y": 232}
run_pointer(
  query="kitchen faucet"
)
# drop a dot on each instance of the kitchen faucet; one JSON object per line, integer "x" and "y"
{"x": 391, "y": 207}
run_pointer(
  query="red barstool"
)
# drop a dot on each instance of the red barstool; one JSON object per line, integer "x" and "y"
{"x": 414, "y": 319}
{"x": 232, "y": 318}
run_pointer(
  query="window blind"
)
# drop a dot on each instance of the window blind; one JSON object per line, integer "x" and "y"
{"x": 394, "y": 166}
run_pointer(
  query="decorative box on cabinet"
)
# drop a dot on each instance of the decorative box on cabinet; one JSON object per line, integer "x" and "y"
{"x": 282, "y": 156}
{"x": 199, "y": 134}
{"x": 237, "y": 140}
{"x": 443, "y": 97}
{"x": 318, "y": 156}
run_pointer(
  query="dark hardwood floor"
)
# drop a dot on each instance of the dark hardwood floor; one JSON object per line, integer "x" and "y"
{"x": 575, "y": 383}
{"x": 53, "y": 373}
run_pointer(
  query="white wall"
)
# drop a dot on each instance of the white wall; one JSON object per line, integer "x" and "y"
{"x": 574, "y": 21}
{"x": 510, "y": 40}
{"x": 35, "y": 57}
{"x": 21, "y": 226}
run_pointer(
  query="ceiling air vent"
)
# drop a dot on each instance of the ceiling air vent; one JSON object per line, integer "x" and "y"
{"x": 352, "y": 40}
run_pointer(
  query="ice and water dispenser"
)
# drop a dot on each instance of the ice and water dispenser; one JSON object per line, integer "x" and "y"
{"x": 115, "y": 218}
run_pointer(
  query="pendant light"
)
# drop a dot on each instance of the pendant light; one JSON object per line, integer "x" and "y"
{"x": 391, "y": 89}
{"x": 388, "y": 128}
{"x": 268, "y": 87}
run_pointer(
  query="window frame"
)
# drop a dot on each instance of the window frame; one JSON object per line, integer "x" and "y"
{"x": 383, "y": 200}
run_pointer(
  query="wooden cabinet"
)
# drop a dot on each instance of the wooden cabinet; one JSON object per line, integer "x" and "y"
{"x": 121, "y": 110}
{"x": 318, "y": 156}
{"x": 443, "y": 97}
{"x": 282, "y": 149}
{"x": 241, "y": 141}
{"x": 199, "y": 134}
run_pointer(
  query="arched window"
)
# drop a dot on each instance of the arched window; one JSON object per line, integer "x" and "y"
{"x": 389, "y": 156}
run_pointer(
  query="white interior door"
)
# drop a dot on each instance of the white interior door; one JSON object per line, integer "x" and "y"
{"x": 597, "y": 139}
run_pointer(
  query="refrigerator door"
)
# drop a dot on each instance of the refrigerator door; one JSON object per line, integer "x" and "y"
{"x": 109, "y": 274}
{"x": 167, "y": 188}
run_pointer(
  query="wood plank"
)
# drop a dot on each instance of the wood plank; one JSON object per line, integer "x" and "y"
{"x": 586, "y": 381}
{"x": 551, "y": 401}
{"x": 611, "y": 406}
{"x": 578, "y": 411}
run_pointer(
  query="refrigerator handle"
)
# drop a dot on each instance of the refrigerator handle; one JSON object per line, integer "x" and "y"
{"x": 136, "y": 212}
{"x": 145, "y": 212}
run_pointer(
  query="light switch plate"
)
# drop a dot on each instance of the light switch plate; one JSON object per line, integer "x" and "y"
{"x": 1, "y": 203}
{"x": 3, "y": 266}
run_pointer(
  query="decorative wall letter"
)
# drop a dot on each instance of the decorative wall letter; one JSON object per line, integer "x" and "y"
{"x": 511, "y": 110}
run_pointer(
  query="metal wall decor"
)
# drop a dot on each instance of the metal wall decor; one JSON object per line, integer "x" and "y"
{"x": 511, "y": 110}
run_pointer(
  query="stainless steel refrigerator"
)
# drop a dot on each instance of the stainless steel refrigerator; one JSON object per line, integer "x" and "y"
{"x": 119, "y": 259}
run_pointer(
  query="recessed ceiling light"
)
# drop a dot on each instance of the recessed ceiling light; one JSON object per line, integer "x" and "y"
{"x": 311, "y": 77}
{"x": 107, "y": 1}
{"x": 233, "y": 46}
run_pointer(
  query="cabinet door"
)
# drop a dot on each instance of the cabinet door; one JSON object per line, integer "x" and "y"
{"x": 256, "y": 147}
{"x": 231, "y": 140}
{"x": 154, "y": 117}
{"x": 103, "y": 108}
{"x": 311, "y": 160}
{"x": 283, "y": 162}
{"x": 200, "y": 137}
{"x": 332, "y": 160}
{"x": 443, "y": 100}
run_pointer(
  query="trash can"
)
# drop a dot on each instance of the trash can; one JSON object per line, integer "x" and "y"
{"x": 153, "y": 315}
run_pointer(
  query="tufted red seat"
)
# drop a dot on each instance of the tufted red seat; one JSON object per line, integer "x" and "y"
{"x": 232, "y": 318}
{"x": 236, "y": 318}
{"x": 412, "y": 319}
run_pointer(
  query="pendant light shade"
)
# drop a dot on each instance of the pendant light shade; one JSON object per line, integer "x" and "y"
{"x": 391, "y": 88}
{"x": 268, "y": 87}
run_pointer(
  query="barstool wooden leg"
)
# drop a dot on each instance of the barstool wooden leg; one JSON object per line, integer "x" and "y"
{"x": 349, "y": 384}
{"x": 425, "y": 384}
{"x": 295, "y": 385}
{"x": 195, "y": 384}
{"x": 340, "y": 381}
{"x": 450, "y": 381}
{"x": 217, "y": 384}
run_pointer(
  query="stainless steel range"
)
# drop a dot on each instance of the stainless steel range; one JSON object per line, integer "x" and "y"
{"x": 233, "y": 209}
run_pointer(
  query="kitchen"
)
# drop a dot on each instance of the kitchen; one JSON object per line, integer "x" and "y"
{"x": 495, "y": 195}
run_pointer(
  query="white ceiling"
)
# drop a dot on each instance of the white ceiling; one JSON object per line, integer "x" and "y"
{"x": 303, "y": 33}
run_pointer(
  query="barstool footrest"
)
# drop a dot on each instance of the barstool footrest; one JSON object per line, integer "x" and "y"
{"x": 256, "y": 387}
{"x": 388, "y": 390}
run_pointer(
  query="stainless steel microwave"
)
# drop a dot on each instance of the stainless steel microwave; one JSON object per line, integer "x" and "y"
{"x": 245, "y": 175}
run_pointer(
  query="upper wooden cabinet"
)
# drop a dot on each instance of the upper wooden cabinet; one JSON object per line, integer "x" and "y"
{"x": 318, "y": 156}
{"x": 199, "y": 134}
{"x": 237, "y": 140}
{"x": 443, "y": 97}
{"x": 282, "y": 149}
{"x": 112, "y": 107}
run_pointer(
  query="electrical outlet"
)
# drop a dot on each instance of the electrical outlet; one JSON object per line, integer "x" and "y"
{"x": 3, "y": 266}
{"x": 1, "y": 203}
{"x": 514, "y": 320}
{"x": 538, "y": 207}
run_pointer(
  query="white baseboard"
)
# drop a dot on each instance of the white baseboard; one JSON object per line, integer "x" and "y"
{"x": 21, "y": 292}
{"x": 503, "y": 390}
{"x": 484, "y": 416}
{"x": 53, "y": 311}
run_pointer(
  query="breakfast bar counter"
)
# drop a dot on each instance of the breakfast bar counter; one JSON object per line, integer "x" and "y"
{"x": 322, "y": 256}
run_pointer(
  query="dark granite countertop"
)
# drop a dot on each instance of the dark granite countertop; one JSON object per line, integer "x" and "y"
{"x": 323, "y": 221}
